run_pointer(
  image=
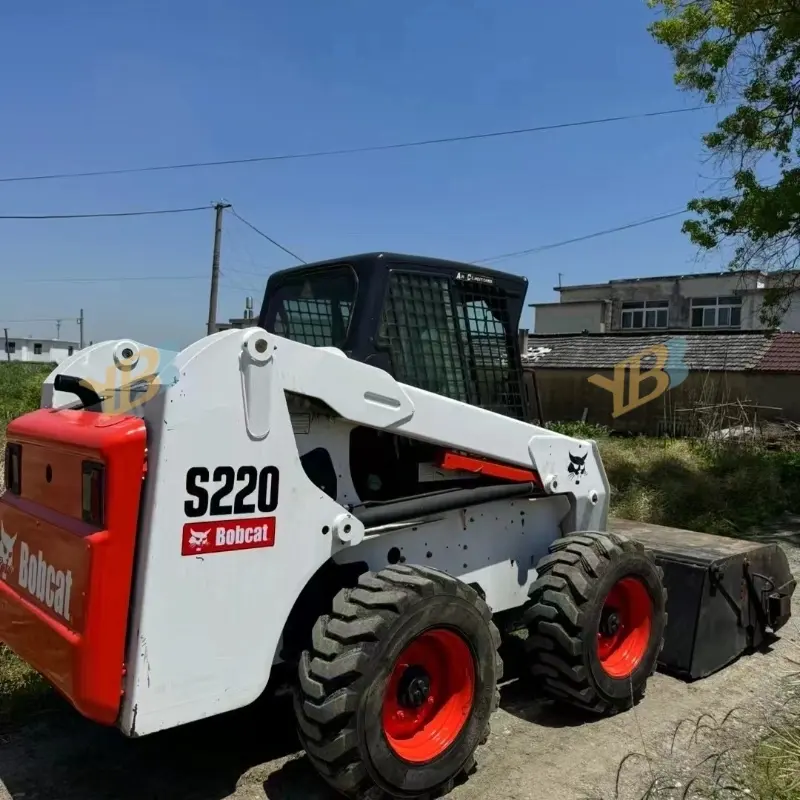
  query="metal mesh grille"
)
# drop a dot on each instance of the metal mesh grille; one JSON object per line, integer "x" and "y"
{"x": 453, "y": 340}
{"x": 315, "y": 309}
{"x": 310, "y": 321}
{"x": 422, "y": 335}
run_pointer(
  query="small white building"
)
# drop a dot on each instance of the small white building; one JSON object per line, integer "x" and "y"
{"x": 43, "y": 351}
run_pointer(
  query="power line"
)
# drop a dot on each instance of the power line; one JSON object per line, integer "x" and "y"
{"x": 245, "y": 271}
{"x": 268, "y": 238}
{"x": 106, "y": 214}
{"x": 351, "y": 150}
{"x": 235, "y": 284}
{"x": 515, "y": 253}
{"x": 605, "y": 232}
{"x": 499, "y": 257}
{"x": 583, "y": 238}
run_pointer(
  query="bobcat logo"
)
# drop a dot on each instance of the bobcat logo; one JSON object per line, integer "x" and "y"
{"x": 198, "y": 539}
{"x": 577, "y": 467}
{"x": 6, "y": 553}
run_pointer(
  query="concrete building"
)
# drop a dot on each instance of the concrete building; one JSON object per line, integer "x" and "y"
{"x": 715, "y": 301}
{"x": 43, "y": 351}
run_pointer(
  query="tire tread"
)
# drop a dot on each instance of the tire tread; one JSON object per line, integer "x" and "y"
{"x": 554, "y": 617}
{"x": 332, "y": 672}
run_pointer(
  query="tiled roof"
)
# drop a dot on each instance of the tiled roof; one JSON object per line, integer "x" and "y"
{"x": 735, "y": 352}
{"x": 782, "y": 355}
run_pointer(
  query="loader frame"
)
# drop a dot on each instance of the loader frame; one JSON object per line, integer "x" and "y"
{"x": 246, "y": 390}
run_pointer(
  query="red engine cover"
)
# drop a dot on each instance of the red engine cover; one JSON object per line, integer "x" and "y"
{"x": 65, "y": 584}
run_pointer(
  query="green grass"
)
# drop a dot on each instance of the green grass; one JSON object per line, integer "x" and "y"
{"x": 727, "y": 488}
{"x": 20, "y": 387}
{"x": 580, "y": 430}
{"x": 21, "y": 688}
{"x": 773, "y": 772}
{"x": 717, "y": 489}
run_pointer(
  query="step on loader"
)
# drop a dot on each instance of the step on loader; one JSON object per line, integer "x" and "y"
{"x": 349, "y": 493}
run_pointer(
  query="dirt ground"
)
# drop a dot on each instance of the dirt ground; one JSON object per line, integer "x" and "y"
{"x": 533, "y": 751}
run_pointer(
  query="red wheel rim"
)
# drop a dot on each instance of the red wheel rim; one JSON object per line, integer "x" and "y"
{"x": 624, "y": 631}
{"x": 429, "y": 696}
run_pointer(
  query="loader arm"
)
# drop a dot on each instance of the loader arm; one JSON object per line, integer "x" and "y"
{"x": 366, "y": 395}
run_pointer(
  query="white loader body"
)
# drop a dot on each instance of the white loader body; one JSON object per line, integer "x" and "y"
{"x": 231, "y": 528}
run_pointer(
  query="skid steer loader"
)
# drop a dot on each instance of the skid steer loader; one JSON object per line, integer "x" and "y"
{"x": 349, "y": 491}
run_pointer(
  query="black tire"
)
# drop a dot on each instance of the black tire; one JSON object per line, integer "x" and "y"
{"x": 564, "y": 617}
{"x": 343, "y": 677}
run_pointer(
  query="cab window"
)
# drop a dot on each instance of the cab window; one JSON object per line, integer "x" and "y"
{"x": 313, "y": 308}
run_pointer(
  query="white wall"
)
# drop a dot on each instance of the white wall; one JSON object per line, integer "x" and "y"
{"x": 791, "y": 320}
{"x": 569, "y": 318}
{"x": 53, "y": 350}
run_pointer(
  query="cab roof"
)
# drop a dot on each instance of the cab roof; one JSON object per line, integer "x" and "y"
{"x": 380, "y": 258}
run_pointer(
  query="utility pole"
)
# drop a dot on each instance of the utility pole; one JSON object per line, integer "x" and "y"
{"x": 58, "y": 329}
{"x": 8, "y": 354}
{"x": 212, "y": 299}
{"x": 80, "y": 325}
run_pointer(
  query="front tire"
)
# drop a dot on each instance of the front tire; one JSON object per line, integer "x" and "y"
{"x": 396, "y": 691}
{"x": 596, "y": 621}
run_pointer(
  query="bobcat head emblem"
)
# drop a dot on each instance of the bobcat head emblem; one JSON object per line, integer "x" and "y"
{"x": 577, "y": 467}
{"x": 198, "y": 539}
{"x": 6, "y": 553}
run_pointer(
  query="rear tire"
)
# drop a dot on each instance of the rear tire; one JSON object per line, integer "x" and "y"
{"x": 596, "y": 621}
{"x": 396, "y": 691}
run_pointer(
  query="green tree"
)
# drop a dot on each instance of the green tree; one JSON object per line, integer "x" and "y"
{"x": 744, "y": 55}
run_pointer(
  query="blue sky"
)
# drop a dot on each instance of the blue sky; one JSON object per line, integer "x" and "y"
{"x": 93, "y": 85}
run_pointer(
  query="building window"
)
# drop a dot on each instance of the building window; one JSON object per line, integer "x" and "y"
{"x": 716, "y": 312}
{"x": 11, "y": 347}
{"x": 645, "y": 314}
{"x": 37, "y": 349}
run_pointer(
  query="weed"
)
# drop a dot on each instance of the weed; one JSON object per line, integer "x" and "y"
{"x": 580, "y": 430}
{"x": 722, "y": 489}
{"x": 774, "y": 769}
{"x": 20, "y": 387}
{"x": 22, "y": 689}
